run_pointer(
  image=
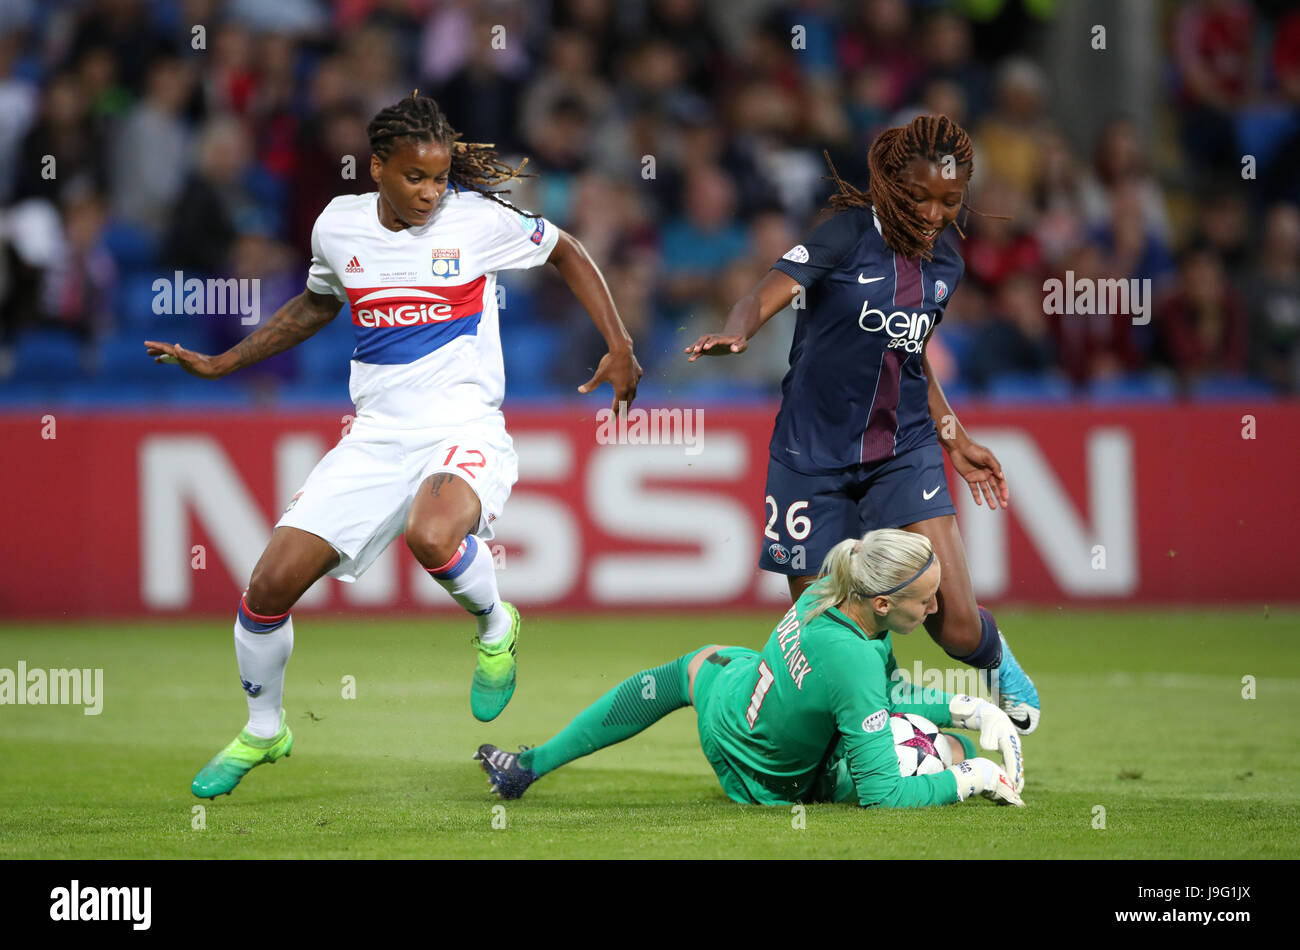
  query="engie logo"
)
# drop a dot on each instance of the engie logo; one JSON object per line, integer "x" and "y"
{"x": 412, "y": 306}
{"x": 907, "y": 331}
{"x": 446, "y": 262}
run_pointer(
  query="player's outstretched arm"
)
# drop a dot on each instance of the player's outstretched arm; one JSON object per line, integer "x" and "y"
{"x": 290, "y": 325}
{"x": 973, "y": 462}
{"x": 772, "y": 295}
{"x": 618, "y": 367}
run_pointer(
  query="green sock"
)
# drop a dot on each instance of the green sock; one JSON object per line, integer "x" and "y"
{"x": 639, "y": 701}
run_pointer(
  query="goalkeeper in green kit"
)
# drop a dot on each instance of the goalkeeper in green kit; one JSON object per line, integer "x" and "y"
{"x": 806, "y": 719}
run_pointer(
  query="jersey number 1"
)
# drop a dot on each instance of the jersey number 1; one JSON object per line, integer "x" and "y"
{"x": 765, "y": 679}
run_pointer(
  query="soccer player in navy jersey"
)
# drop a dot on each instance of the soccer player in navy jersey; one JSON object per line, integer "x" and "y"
{"x": 855, "y": 446}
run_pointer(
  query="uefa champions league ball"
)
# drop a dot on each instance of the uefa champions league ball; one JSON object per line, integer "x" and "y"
{"x": 920, "y": 749}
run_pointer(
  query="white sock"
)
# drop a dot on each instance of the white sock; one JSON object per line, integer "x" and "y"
{"x": 262, "y": 658}
{"x": 471, "y": 579}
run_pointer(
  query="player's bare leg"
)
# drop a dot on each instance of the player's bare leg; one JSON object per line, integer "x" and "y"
{"x": 968, "y": 632}
{"x": 800, "y": 584}
{"x": 292, "y": 561}
{"x": 439, "y": 532}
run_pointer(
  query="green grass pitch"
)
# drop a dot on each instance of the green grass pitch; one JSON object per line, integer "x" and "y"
{"x": 1144, "y": 716}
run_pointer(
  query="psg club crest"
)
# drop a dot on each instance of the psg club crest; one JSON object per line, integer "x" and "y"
{"x": 779, "y": 553}
{"x": 940, "y": 290}
{"x": 446, "y": 262}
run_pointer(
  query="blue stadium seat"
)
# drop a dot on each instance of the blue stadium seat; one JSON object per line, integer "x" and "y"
{"x": 529, "y": 353}
{"x": 123, "y": 358}
{"x": 47, "y": 356}
{"x": 132, "y": 247}
{"x": 18, "y": 394}
{"x": 1041, "y": 389}
{"x": 1134, "y": 388}
{"x": 1229, "y": 388}
{"x": 325, "y": 360}
{"x": 133, "y": 305}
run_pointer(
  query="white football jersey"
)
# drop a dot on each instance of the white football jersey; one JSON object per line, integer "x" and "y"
{"x": 424, "y": 311}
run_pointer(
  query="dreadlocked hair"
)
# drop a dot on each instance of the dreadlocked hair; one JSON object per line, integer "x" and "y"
{"x": 475, "y": 166}
{"x": 934, "y": 138}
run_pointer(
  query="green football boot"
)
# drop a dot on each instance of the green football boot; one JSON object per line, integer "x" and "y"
{"x": 247, "y": 751}
{"x": 494, "y": 675}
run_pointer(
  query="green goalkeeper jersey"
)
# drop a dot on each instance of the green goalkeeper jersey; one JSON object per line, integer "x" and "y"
{"x": 820, "y": 692}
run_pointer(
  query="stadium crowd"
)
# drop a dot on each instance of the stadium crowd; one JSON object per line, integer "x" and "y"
{"x": 681, "y": 141}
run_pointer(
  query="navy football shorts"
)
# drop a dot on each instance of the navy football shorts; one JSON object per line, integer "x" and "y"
{"x": 807, "y": 515}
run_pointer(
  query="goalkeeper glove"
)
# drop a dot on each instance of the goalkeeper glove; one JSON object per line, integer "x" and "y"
{"x": 996, "y": 732}
{"x": 985, "y": 777}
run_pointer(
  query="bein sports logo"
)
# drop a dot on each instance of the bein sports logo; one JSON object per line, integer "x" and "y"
{"x": 907, "y": 331}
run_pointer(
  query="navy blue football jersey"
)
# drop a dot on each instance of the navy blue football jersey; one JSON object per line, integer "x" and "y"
{"x": 857, "y": 392}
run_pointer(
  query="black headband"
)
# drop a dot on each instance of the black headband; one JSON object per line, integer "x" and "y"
{"x": 909, "y": 580}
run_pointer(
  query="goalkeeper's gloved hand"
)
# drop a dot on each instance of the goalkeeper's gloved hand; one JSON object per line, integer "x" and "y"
{"x": 996, "y": 732}
{"x": 983, "y": 776}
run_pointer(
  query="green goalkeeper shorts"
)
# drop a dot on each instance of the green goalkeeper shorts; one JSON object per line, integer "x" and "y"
{"x": 731, "y": 775}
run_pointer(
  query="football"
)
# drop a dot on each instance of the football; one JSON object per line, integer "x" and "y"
{"x": 920, "y": 750}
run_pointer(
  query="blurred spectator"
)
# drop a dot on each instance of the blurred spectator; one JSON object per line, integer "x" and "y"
{"x": 1202, "y": 324}
{"x": 1131, "y": 249}
{"x": 1096, "y": 346}
{"x": 1014, "y": 337}
{"x": 569, "y": 74}
{"x": 1001, "y": 242}
{"x": 481, "y": 99}
{"x": 686, "y": 25}
{"x": 64, "y": 149}
{"x": 1222, "y": 226}
{"x": 149, "y": 158}
{"x": 1273, "y": 301}
{"x": 256, "y": 255}
{"x": 1058, "y": 200}
{"x": 107, "y": 100}
{"x": 1118, "y": 162}
{"x": 127, "y": 28}
{"x": 879, "y": 39}
{"x": 1212, "y": 53}
{"x": 78, "y": 287}
{"x": 326, "y": 140}
{"x": 947, "y": 48}
{"x": 1008, "y": 141}
{"x": 217, "y": 200}
{"x": 702, "y": 242}
{"x": 18, "y": 107}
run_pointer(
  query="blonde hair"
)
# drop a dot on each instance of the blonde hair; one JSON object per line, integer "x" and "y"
{"x": 855, "y": 570}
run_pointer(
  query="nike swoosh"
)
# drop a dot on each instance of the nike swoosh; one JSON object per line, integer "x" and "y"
{"x": 868, "y": 280}
{"x": 927, "y": 495}
{"x": 1020, "y": 722}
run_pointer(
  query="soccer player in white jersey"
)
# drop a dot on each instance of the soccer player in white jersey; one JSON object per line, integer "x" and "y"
{"x": 428, "y": 453}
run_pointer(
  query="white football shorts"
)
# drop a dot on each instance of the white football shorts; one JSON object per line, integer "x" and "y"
{"x": 357, "y": 497}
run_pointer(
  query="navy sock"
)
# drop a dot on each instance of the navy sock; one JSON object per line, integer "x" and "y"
{"x": 988, "y": 655}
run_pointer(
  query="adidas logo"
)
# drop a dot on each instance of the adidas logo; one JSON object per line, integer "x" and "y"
{"x": 354, "y": 267}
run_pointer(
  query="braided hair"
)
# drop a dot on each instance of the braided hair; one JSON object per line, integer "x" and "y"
{"x": 474, "y": 166}
{"x": 930, "y": 137}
